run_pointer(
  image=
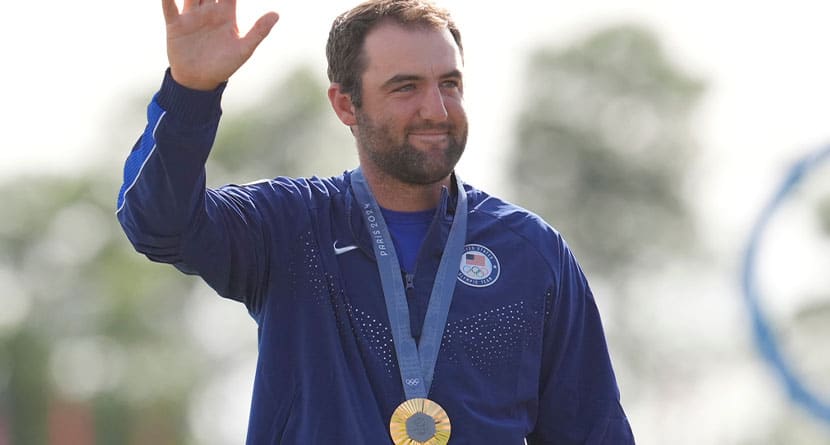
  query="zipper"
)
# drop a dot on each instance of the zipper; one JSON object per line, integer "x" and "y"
{"x": 409, "y": 281}
{"x": 416, "y": 316}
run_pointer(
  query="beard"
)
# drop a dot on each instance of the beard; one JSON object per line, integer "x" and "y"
{"x": 398, "y": 158}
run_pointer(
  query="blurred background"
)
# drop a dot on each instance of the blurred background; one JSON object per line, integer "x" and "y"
{"x": 651, "y": 134}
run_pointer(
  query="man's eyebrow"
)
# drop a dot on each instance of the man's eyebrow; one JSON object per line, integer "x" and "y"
{"x": 455, "y": 74}
{"x": 403, "y": 78}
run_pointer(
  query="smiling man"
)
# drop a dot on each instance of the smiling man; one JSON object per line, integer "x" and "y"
{"x": 395, "y": 303}
{"x": 411, "y": 128}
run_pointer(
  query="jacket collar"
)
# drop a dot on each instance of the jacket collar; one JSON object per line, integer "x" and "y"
{"x": 443, "y": 216}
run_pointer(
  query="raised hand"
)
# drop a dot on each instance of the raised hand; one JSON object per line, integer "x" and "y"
{"x": 204, "y": 46}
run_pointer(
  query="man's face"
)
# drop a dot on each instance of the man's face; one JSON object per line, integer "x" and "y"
{"x": 412, "y": 125}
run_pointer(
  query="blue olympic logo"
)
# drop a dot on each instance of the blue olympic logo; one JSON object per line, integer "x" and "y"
{"x": 764, "y": 335}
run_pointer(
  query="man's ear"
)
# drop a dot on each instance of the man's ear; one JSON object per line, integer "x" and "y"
{"x": 342, "y": 104}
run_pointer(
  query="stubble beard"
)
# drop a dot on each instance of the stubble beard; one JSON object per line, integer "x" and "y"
{"x": 405, "y": 162}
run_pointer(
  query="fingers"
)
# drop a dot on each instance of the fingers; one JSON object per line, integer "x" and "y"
{"x": 189, "y": 4}
{"x": 171, "y": 11}
{"x": 260, "y": 30}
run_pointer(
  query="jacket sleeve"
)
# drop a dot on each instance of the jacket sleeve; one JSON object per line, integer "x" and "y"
{"x": 166, "y": 210}
{"x": 579, "y": 401}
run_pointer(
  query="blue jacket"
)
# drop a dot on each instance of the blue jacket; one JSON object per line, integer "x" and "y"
{"x": 523, "y": 355}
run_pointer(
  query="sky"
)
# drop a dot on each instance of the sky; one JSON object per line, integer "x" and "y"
{"x": 69, "y": 71}
{"x": 72, "y": 70}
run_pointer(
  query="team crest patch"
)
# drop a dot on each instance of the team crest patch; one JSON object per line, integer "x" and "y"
{"x": 479, "y": 267}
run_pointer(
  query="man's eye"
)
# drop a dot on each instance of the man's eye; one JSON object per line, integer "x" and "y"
{"x": 451, "y": 84}
{"x": 405, "y": 88}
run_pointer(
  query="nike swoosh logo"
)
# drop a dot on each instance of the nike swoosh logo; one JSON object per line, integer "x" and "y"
{"x": 344, "y": 249}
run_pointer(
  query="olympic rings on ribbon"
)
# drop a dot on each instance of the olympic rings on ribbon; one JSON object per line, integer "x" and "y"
{"x": 765, "y": 336}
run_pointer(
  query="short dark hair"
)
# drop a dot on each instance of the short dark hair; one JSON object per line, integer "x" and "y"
{"x": 344, "y": 50}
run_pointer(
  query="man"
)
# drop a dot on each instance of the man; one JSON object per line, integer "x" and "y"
{"x": 395, "y": 303}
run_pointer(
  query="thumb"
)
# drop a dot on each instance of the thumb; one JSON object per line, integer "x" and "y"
{"x": 260, "y": 30}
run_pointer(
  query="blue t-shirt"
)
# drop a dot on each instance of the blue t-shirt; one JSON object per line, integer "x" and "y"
{"x": 408, "y": 230}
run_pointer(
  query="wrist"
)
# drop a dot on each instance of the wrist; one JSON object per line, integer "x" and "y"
{"x": 189, "y": 104}
{"x": 196, "y": 84}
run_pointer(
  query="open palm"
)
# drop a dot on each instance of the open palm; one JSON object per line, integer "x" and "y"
{"x": 204, "y": 46}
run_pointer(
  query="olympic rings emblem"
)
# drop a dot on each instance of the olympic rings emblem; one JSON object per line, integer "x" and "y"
{"x": 478, "y": 266}
{"x": 413, "y": 382}
{"x": 476, "y": 271}
{"x": 764, "y": 335}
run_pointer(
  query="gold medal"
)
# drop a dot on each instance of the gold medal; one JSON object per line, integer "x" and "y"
{"x": 420, "y": 422}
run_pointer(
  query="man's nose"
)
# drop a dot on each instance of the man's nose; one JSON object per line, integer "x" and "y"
{"x": 432, "y": 106}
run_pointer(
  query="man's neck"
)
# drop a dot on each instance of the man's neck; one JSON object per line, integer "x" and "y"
{"x": 393, "y": 194}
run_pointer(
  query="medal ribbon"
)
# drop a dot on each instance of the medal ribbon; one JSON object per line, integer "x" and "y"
{"x": 416, "y": 362}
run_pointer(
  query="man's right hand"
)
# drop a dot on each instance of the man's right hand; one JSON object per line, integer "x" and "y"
{"x": 204, "y": 46}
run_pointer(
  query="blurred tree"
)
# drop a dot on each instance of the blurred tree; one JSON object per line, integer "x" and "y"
{"x": 93, "y": 307}
{"x": 27, "y": 395}
{"x": 824, "y": 214}
{"x": 291, "y": 131}
{"x": 602, "y": 148}
{"x": 94, "y": 324}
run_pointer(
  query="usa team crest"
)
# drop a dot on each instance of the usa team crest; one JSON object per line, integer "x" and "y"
{"x": 479, "y": 267}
